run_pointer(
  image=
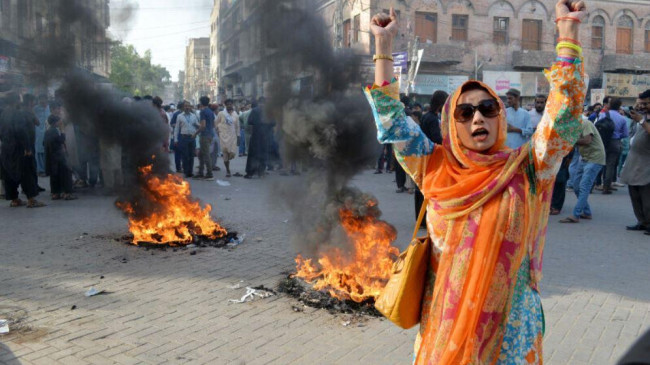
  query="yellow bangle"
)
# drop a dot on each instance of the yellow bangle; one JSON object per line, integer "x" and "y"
{"x": 569, "y": 45}
{"x": 382, "y": 57}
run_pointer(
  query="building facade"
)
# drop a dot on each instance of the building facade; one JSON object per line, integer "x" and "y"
{"x": 504, "y": 41}
{"x": 25, "y": 23}
{"x": 197, "y": 69}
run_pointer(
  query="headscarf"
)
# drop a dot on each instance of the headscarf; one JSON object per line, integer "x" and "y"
{"x": 462, "y": 179}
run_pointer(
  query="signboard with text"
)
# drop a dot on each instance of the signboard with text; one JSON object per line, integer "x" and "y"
{"x": 625, "y": 85}
{"x": 427, "y": 84}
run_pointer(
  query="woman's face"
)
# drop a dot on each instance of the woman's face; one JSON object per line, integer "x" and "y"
{"x": 479, "y": 132}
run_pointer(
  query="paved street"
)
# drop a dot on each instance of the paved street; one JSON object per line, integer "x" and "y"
{"x": 166, "y": 307}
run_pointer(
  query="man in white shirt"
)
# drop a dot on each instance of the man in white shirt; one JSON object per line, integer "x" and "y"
{"x": 537, "y": 113}
{"x": 185, "y": 132}
{"x": 518, "y": 120}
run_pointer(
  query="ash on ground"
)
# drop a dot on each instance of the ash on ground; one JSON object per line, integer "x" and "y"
{"x": 300, "y": 290}
{"x": 229, "y": 241}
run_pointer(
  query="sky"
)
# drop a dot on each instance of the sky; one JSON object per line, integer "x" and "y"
{"x": 163, "y": 26}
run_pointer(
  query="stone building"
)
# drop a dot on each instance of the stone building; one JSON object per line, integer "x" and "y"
{"x": 214, "y": 54}
{"x": 236, "y": 48}
{"x": 25, "y": 23}
{"x": 197, "y": 69}
{"x": 507, "y": 43}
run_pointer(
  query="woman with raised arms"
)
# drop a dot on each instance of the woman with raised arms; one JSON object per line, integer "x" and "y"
{"x": 488, "y": 205}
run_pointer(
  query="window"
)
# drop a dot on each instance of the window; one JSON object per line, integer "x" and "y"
{"x": 459, "y": 27}
{"x": 647, "y": 37}
{"x": 531, "y": 35}
{"x": 426, "y": 26}
{"x": 501, "y": 26}
{"x": 624, "y": 35}
{"x": 597, "y": 32}
{"x": 346, "y": 33}
{"x": 357, "y": 27}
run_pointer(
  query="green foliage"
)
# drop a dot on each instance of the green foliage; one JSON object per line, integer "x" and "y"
{"x": 134, "y": 74}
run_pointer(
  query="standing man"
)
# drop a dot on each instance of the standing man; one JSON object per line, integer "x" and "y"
{"x": 42, "y": 111}
{"x": 614, "y": 147}
{"x": 17, "y": 153}
{"x": 518, "y": 120}
{"x": 592, "y": 159}
{"x": 187, "y": 125}
{"x": 537, "y": 113}
{"x": 228, "y": 129}
{"x": 243, "y": 124}
{"x": 206, "y": 133}
{"x": 178, "y": 156}
{"x": 636, "y": 171}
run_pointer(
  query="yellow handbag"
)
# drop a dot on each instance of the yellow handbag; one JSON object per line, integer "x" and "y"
{"x": 401, "y": 299}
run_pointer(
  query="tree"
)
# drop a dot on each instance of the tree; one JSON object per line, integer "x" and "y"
{"x": 134, "y": 74}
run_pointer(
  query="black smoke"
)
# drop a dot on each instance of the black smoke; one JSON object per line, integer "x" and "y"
{"x": 94, "y": 107}
{"x": 327, "y": 127}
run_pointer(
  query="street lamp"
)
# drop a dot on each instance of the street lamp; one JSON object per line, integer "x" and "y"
{"x": 478, "y": 66}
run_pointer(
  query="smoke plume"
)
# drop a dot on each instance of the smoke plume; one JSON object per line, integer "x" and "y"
{"x": 327, "y": 128}
{"x": 96, "y": 109}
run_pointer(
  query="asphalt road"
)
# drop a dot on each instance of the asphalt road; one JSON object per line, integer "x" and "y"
{"x": 173, "y": 307}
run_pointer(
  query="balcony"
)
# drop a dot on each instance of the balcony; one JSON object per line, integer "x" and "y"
{"x": 528, "y": 60}
{"x": 442, "y": 54}
{"x": 626, "y": 62}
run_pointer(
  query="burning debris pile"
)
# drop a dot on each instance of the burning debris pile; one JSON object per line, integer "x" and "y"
{"x": 344, "y": 249}
{"x": 361, "y": 273}
{"x": 166, "y": 213}
{"x": 299, "y": 290}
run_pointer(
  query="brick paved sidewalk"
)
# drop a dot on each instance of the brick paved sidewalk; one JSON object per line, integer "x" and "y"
{"x": 172, "y": 307}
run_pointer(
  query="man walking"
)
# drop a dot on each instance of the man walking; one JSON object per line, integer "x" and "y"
{"x": 519, "y": 130}
{"x": 206, "y": 133}
{"x": 228, "y": 130}
{"x": 636, "y": 171}
{"x": 187, "y": 124}
{"x": 613, "y": 151}
{"x": 592, "y": 159}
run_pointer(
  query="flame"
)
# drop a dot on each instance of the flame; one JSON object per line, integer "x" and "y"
{"x": 362, "y": 276}
{"x": 175, "y": 216}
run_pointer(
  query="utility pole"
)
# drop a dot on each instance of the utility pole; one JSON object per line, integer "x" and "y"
{"x": 338, "y": 25}
{"x": 413, "y": 56}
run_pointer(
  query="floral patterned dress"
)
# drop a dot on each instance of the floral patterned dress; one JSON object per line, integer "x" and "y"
{"x": 503, "y": 223}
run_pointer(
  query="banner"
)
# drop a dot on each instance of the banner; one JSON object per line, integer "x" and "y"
{"x": 400, "y": 59}
{"x": 625, "y": 85}
{"x": 427, "y": 84}
{"x": 597, "y": 96}
{"x": 502, "y": 81}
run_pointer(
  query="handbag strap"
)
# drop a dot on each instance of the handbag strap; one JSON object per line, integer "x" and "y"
{"x": 420, "y": 217}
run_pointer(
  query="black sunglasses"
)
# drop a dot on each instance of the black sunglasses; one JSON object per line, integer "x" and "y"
{"x": 489, "y": 108}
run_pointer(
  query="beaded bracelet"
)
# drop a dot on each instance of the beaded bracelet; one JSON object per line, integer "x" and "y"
{"x": 569, "y": 45}
{"x": 571, "y": 18}
{"x": 570, "y": 40}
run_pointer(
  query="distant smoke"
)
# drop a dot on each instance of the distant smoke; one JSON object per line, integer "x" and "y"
{"x": 94, "y": 108}
{"x": 329, "y": 128}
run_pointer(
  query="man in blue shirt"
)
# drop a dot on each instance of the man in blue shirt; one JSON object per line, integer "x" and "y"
{"x": 614, "y": 148}
{"x": 42, "y": 111}
{"x": 206, "y": 134}
{"x": 519, "y": 126}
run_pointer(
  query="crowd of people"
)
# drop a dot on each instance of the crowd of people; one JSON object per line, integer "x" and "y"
{"x": 596, "y": 164}
{"x": 38, "y": 140}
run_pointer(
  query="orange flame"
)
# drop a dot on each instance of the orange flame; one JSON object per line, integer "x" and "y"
{"x": 362, "y": 276}
{"x": 176, "y": 218}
